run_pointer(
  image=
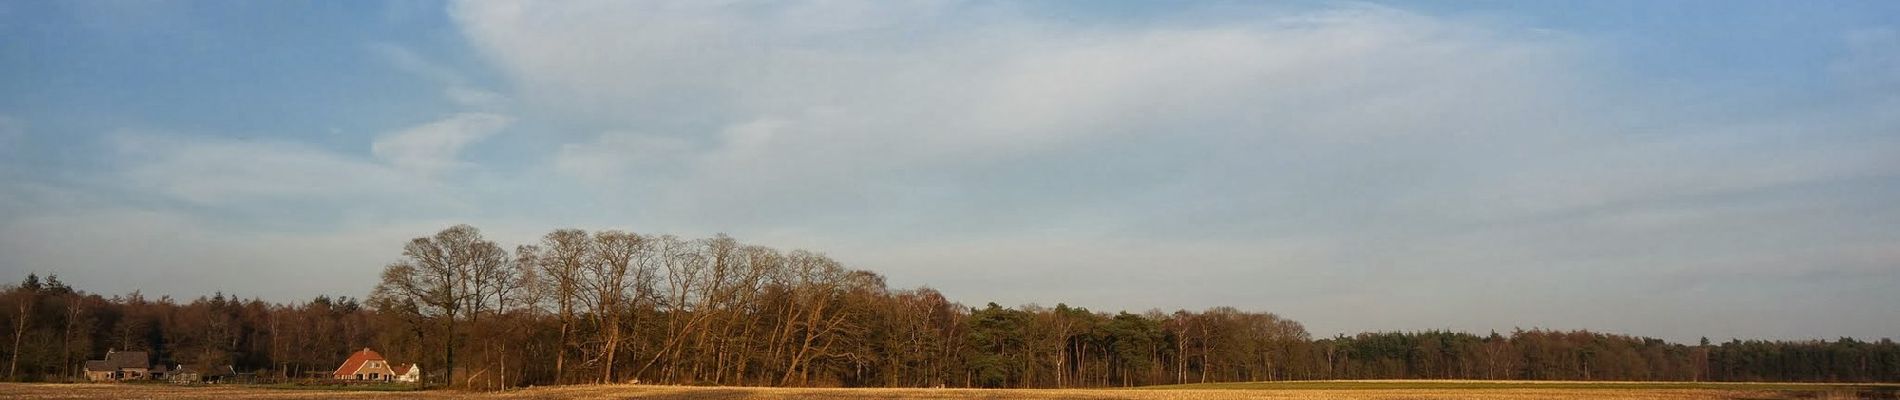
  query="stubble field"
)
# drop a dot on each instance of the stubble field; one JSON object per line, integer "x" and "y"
{"x": 1349, "y": 390}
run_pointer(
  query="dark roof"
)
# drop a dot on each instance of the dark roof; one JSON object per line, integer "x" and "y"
{"x": 128, "y": 359}
{"x": 117, "y": 360}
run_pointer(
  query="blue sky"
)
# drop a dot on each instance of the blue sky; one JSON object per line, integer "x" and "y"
{"x": 1674, "y": 169}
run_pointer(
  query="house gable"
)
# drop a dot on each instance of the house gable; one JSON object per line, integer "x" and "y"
{"x": 365, "y": 364}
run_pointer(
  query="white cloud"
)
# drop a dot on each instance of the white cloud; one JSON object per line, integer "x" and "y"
{"x": 611, "y": 154}
{"x": 472, "y": 97}
{"x": 435, "y": 147}
{"x": 216, "y": 171}
{"x": 791, "y": 106}
{"x": 456, "y": 87}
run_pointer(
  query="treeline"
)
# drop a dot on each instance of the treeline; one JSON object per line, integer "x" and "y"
{"x": 1583, "y": 355}
{"x": 612, "y": 306}
{"x": 51, "y": 329}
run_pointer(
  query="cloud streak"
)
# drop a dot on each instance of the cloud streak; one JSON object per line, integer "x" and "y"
{"x": 434, "y": 147}
{"x": 223, "y": 172}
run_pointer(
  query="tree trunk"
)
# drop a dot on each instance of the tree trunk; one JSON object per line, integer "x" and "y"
{"x": 560, "y": 353}
{"x": 610, "y": 348}
{"x": 66, "y": 338}
{"x": 448, "y": 351}
{"x": 19, "y": 331}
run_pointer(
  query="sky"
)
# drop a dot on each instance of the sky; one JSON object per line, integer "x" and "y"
{"x": 1677, "y": 169}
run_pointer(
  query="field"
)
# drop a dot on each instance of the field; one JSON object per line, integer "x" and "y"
{"x": 1349, "y": 390}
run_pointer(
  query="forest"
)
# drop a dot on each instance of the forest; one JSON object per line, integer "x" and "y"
{"x": 615, "y": 306}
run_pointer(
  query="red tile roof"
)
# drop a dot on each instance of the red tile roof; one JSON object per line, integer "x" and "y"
{"x": 403, "y": 369}
{"x": 356, "y": 361}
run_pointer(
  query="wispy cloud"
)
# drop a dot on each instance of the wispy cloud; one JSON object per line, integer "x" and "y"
{"x": 828, "y": 109}
{"x": 227, "y": 172}
{"x": 435, "y": 147}
{"x": 456, "y": 87}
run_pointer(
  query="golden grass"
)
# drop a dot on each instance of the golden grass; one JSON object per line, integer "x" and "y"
{"x": 1398, "y": 392}
{"x": 1884, "y": 389}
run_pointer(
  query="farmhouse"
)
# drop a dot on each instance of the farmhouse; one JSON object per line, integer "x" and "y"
{"x": 408, "y": 373}
{"x": 120, "y": 366}
{"x": 365, "y": 365}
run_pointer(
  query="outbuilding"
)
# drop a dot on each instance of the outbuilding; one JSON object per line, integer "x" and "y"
{"x": 408, "y": 373}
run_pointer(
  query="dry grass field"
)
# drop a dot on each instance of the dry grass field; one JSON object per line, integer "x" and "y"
{"x": 1349, "y": 390}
